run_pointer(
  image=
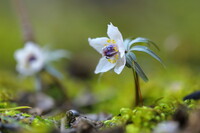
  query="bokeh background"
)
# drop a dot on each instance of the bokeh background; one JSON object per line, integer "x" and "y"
{"x": 67, "y": 24}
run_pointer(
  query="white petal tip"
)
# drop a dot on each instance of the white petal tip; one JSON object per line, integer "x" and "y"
{"x": 96, "y": 72}
{"x": 117, "y": 71}
{"x": 110, "y": 24}
{"x": 90, "y": 41}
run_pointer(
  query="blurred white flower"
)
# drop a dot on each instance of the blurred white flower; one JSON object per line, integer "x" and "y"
{"x": 32, "y": 59}
{"x": 112, "y": 50}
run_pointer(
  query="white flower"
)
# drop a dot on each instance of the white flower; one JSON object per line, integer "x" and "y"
{"x": 112, "y": 50}
{"x": 30, "y": 59}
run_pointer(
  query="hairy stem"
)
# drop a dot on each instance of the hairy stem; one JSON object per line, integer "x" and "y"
{"x": 26, "y": 27}
{"x": 138, "y": 94}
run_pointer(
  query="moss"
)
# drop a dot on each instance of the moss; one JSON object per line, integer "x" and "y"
{"x": 144, "y": 119}
{"x": 162, "y": 96}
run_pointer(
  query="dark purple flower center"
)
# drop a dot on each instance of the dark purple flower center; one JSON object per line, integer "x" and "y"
{"x": 31, "y": 58}
{"x": 109, "y": 51}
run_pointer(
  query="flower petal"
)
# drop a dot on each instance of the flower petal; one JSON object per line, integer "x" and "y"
{"x": 104, "y": 65}
{"x": 30, "y": 46}
{"x": 120, "y": 65}
{"x": 98, "y": 43}
{"x": 56, "y": 55}
{"x": 19, "y": 55}
{"x": 121, "y": 47}
{"x": 114, "y": 33}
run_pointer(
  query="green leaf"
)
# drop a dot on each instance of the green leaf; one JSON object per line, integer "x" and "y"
{"x": 130, "y": 58}
{"x": 15, "y": 108}
{"x": 148, "y": 51}
{"x": 126, "y": 43}
{"x": 140, "y": 72}
{"x": 129, "y": 62}
{"x": 142, "y": 40}
{"x": 50, "y": 69}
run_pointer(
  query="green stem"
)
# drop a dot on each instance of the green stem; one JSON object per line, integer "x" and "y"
{"x": 138, "y": 94}
{"x": 38, "y": 82}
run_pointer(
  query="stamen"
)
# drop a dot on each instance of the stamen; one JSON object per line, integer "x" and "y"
{"x": 114, "y": 59}
{"x": 31, "y": 58}
{"x": 110, "y": 50}
{"x": 111, "y": 41}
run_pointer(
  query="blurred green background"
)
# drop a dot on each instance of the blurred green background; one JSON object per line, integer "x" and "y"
{"x": 67, "y": 24}
{"x": 173, "y": 25}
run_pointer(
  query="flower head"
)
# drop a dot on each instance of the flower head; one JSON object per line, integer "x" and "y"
{"x": 30, "y": 59}
{"x": 112, "y": 50}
